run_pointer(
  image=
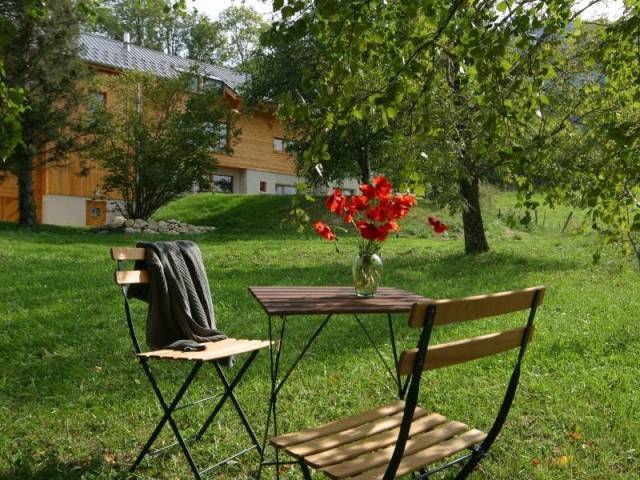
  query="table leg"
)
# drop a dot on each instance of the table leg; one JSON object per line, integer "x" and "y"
{"x": 394, "y": 376}
{"x": 274, "y": 365}
{"x": 276, "y": 385}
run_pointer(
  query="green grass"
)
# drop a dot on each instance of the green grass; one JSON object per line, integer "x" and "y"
{"x": 75, "y": 405}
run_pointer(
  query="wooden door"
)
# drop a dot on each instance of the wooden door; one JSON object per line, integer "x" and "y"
{"x": 96, "y": 212}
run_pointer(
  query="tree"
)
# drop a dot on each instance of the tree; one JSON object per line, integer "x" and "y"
{"x": 157, "y": 139}
{"x": 605, "y": 172}
{"x": 12, "y": 100}
{"x": 205, "y": 41}
{"x": 353, "y": 148}
{"x": 469, "y": 77}
{"x": 11, "y": 108}
{"x": 43, "y": 63}
{"x": 155, "y": 24}
{"x": 167, "y": 26}
{"x": 242, "y": 25}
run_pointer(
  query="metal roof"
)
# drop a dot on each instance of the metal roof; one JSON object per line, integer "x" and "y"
{"x": 113, "y": 53}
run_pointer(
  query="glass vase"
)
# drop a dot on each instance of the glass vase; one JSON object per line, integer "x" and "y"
{"x": 367, "y": 274}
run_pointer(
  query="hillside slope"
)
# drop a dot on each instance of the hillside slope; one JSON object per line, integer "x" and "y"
{"x": 259, "y": 215}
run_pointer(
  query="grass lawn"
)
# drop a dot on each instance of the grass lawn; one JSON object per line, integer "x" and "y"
{"x": 75, "y": 405}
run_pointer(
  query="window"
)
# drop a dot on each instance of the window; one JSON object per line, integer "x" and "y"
{"x": 221, "y": 133}
{"x": 97, "y": 101}
{"x": 223, "y": 136}
{"x": 193, "y": 83}
{"x": 279, "y": 145}
{"x": 211, "y": 84}
{"x": 286, "y": 189}
{"x": 222, "y": 183}
{"x": 263, "y": 186}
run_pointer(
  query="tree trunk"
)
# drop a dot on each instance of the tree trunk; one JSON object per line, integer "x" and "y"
{"x": 365, "y": 167}
{"x": 475, "y": 240}
{"x": 26, "y": 199}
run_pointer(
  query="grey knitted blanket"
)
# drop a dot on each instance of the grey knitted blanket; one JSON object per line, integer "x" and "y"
{"x": 181, "y": 314}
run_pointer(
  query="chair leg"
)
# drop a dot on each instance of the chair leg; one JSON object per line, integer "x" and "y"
{"x": 229, "y": 389}
{"x": 228, "y": 393}
{"x": 470, "y": 465}
{"x": 305, "y": 470}
{"x": 167, "y": 417}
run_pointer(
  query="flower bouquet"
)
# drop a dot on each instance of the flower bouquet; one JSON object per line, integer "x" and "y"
{"x": 374, "y": 214}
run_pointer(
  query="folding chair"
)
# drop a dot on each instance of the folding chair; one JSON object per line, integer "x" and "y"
{"x": 213, "y": 353}
{"x": 402, "y": 438}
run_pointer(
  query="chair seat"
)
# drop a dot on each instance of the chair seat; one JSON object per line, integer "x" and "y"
{"x": 213, "y": 350}
{"x": 360, "y": 447}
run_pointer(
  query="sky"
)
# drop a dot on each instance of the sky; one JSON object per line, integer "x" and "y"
{"x": 214, "y": 7}
{"x": 608, "y": 8}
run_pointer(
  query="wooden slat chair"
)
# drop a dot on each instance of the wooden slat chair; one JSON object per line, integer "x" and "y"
{"x": 213, "y": 353}
{"x": 401, "y": 438}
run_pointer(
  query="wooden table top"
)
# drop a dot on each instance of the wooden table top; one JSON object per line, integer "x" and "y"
{"x": 326, "y": 300}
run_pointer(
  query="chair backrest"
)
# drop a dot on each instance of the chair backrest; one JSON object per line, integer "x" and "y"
{"x": 470, "y": 308}
{"x": 128, "y": 277}
{"x": 124, "y": 278}
{"x": 425, "y": 357}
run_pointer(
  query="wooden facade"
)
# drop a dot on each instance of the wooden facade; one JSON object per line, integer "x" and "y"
{"x": 254, "y": 149}
{"x": 9, "y": 196}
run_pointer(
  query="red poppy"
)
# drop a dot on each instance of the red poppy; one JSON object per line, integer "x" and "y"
{"x": 383, "y": 186}
{"x": 324, "y": 231}
{"x": 375, "y": 212}
{"x": 336, "y": 202}
{"x": 378, "y": 214}
{"x": 368, "y": 191}
{"x": 369, "y": 231}
{"x": 355, "y": 204}
{"x": 391, "y": 226}
{"x": 359, "y": 202}
{"x": 380, "y": 188}
{"x": 400, "y": 205}
{"x": 437, "y": 225}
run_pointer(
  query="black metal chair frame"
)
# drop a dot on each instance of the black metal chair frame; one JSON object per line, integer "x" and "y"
{"x": 170, "y": 408}
{"x": 413, "y": 381}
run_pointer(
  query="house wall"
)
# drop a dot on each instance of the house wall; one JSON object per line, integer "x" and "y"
{"x": 9, "y": 196}
{"x": 248, "y": 181}
{"x": 68, "y": 178}
{"x": 254, "y": 147}
{"x": 64, "y": 210}
{"x": 254, "y": 177}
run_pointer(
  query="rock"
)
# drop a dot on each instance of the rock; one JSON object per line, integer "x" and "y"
{"x": 152, "y": 227}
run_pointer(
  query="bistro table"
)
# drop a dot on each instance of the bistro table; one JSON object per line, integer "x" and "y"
{"x": 284, "y": 302}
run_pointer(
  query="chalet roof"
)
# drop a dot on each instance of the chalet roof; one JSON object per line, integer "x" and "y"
{"x": 113, "y": 53}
